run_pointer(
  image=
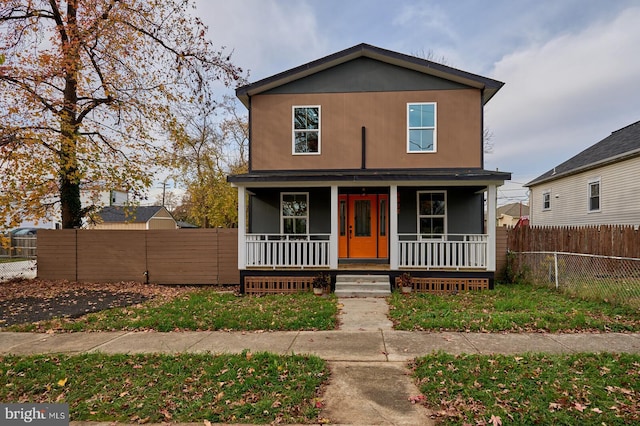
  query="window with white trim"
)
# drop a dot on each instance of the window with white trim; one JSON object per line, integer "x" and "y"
{"x": 546, "y": 200}
{"x": 594, "y": 195}
{"x": 432, "y": 213}
{"x": 294, "y": 211}
{"x": 421, "y": 127}
{"x": 306, "y": 129}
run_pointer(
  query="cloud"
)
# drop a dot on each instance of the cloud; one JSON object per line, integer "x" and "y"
{"x": 564, "y": 95}
{"x": 267, "y": 36}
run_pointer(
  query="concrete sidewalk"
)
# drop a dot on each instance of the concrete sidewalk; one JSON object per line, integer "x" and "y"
{"x": 382, "y": 345}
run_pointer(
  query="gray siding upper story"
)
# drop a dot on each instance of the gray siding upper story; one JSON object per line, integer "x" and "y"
{"x": 366, "y": 75}
{"x": 614, "y": 162}
{"x": 408, "y": 70}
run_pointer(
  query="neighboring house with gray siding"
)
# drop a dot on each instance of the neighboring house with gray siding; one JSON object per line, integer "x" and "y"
{"x": 598, "y": 186}
{"x": 134, "y": 217}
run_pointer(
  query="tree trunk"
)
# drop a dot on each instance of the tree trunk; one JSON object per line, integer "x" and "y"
{"x": 70, "y": 203}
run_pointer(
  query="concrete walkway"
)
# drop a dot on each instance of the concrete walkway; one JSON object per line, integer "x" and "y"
{"x": 370, "y": 382}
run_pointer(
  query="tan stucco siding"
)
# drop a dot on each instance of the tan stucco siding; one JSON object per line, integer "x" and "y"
{"x": 383, "y": 114}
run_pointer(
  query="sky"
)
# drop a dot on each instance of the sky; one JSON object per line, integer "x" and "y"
{"x": 571, "y": 68}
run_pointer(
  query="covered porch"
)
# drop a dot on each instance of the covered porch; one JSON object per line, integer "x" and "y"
{"x": 423, "y": 222}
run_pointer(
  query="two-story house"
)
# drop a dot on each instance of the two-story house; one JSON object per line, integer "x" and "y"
{"x": 598, "y": 186}
{"x": 367, "y": 161}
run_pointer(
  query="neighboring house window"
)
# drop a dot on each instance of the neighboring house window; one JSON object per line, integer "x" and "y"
{"x": 306, "y": 130}
{"x": 594, "y": 195}
{"x": 546, "y": 200}
{"x": 421, "y": 132}
{"x": 294, "y": 207}
{"x": 432, "y": 213}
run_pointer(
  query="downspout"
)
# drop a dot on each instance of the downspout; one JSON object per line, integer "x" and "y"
{"x": 364, "y": 148}
{"x": 249, "y": 168}
{"x": 482, "y": 129}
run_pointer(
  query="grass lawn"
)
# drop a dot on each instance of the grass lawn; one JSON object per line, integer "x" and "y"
{"x": 13, "y": 259}
{"x": 509, "y": 307}
{"x": 245, "y": 388}
{"x": 208, "y": 310}
{"x": 584, "y": 389}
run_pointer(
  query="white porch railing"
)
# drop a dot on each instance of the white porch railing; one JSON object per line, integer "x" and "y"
{"x": 458, "y": 251}
{"x": 296, "y": 251}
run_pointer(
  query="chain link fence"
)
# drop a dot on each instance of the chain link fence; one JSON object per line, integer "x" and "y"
{"x": 607, "y": 278}
{"x": 17, "y": 269}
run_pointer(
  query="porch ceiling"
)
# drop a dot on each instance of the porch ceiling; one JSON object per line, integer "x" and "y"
{"x": 457, "y": 176}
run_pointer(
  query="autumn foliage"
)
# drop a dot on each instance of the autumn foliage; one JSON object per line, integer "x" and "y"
{"x": 89, "y": 89}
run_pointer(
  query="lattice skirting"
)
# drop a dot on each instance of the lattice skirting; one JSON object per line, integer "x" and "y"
{"x": 447, "y": 285}
{"x": 269, "y": 285}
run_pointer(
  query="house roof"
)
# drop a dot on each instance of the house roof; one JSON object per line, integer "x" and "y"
{"x": 513, "y": 210}
{"x": 368, "y": 175}
{"x": 140, "y": 214}
{"x": 622, "y": 144}
{"x": 489, "y": 86}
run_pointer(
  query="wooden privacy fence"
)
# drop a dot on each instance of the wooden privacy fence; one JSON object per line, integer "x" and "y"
{"x": 180, "y": 256}
{"x": 176, "y": 256}
{"x": 605, "y": 240}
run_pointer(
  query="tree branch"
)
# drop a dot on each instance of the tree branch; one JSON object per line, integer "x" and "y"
{"x": 29, "y": 90}
{"x": 57, "y": 16}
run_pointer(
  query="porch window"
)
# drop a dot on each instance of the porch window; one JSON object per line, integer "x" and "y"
{"x": 306, "y": 129}
{"x": 432, "y": 213}
{"x": 421, "y": 127}
{"x": 594, "y": 195}
{"x": 295, "y": 213}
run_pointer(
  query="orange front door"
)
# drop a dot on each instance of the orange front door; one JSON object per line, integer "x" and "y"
{"x": 363, "y": 226}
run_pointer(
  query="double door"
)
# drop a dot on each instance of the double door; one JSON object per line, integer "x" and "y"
{"x": 363, "y": 226}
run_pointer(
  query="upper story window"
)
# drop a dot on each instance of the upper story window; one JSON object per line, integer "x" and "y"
{"x": 432, "y": 213}
{"x": 546, "y": 200}
{"x": 594, "y": 195}
{"x": 306, "y": 129}
{"x": 294, "y": 209}
{"x": 421, "y": 131}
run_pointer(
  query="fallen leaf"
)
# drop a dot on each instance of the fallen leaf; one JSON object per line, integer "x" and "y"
{"x": 416, "y": 399}
{"x": 249, "y": 355}
{"x": 62, "y": 382}
{"x": 596, "y": 410}
{"x": 166, "y": 414}
{"x": 207, "y": 423}
{"x": 495, "y": 420}
{"x": 579, "y": 407}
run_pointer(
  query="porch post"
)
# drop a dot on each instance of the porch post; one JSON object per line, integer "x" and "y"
{"x": 333, "y": 240}
{"x": 242, "y": 227}
{"x": 491, "y": 227}
{"x": 393, "y": 227}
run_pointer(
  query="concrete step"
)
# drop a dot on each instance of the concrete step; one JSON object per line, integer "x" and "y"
{"x": 362, "y": 286}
